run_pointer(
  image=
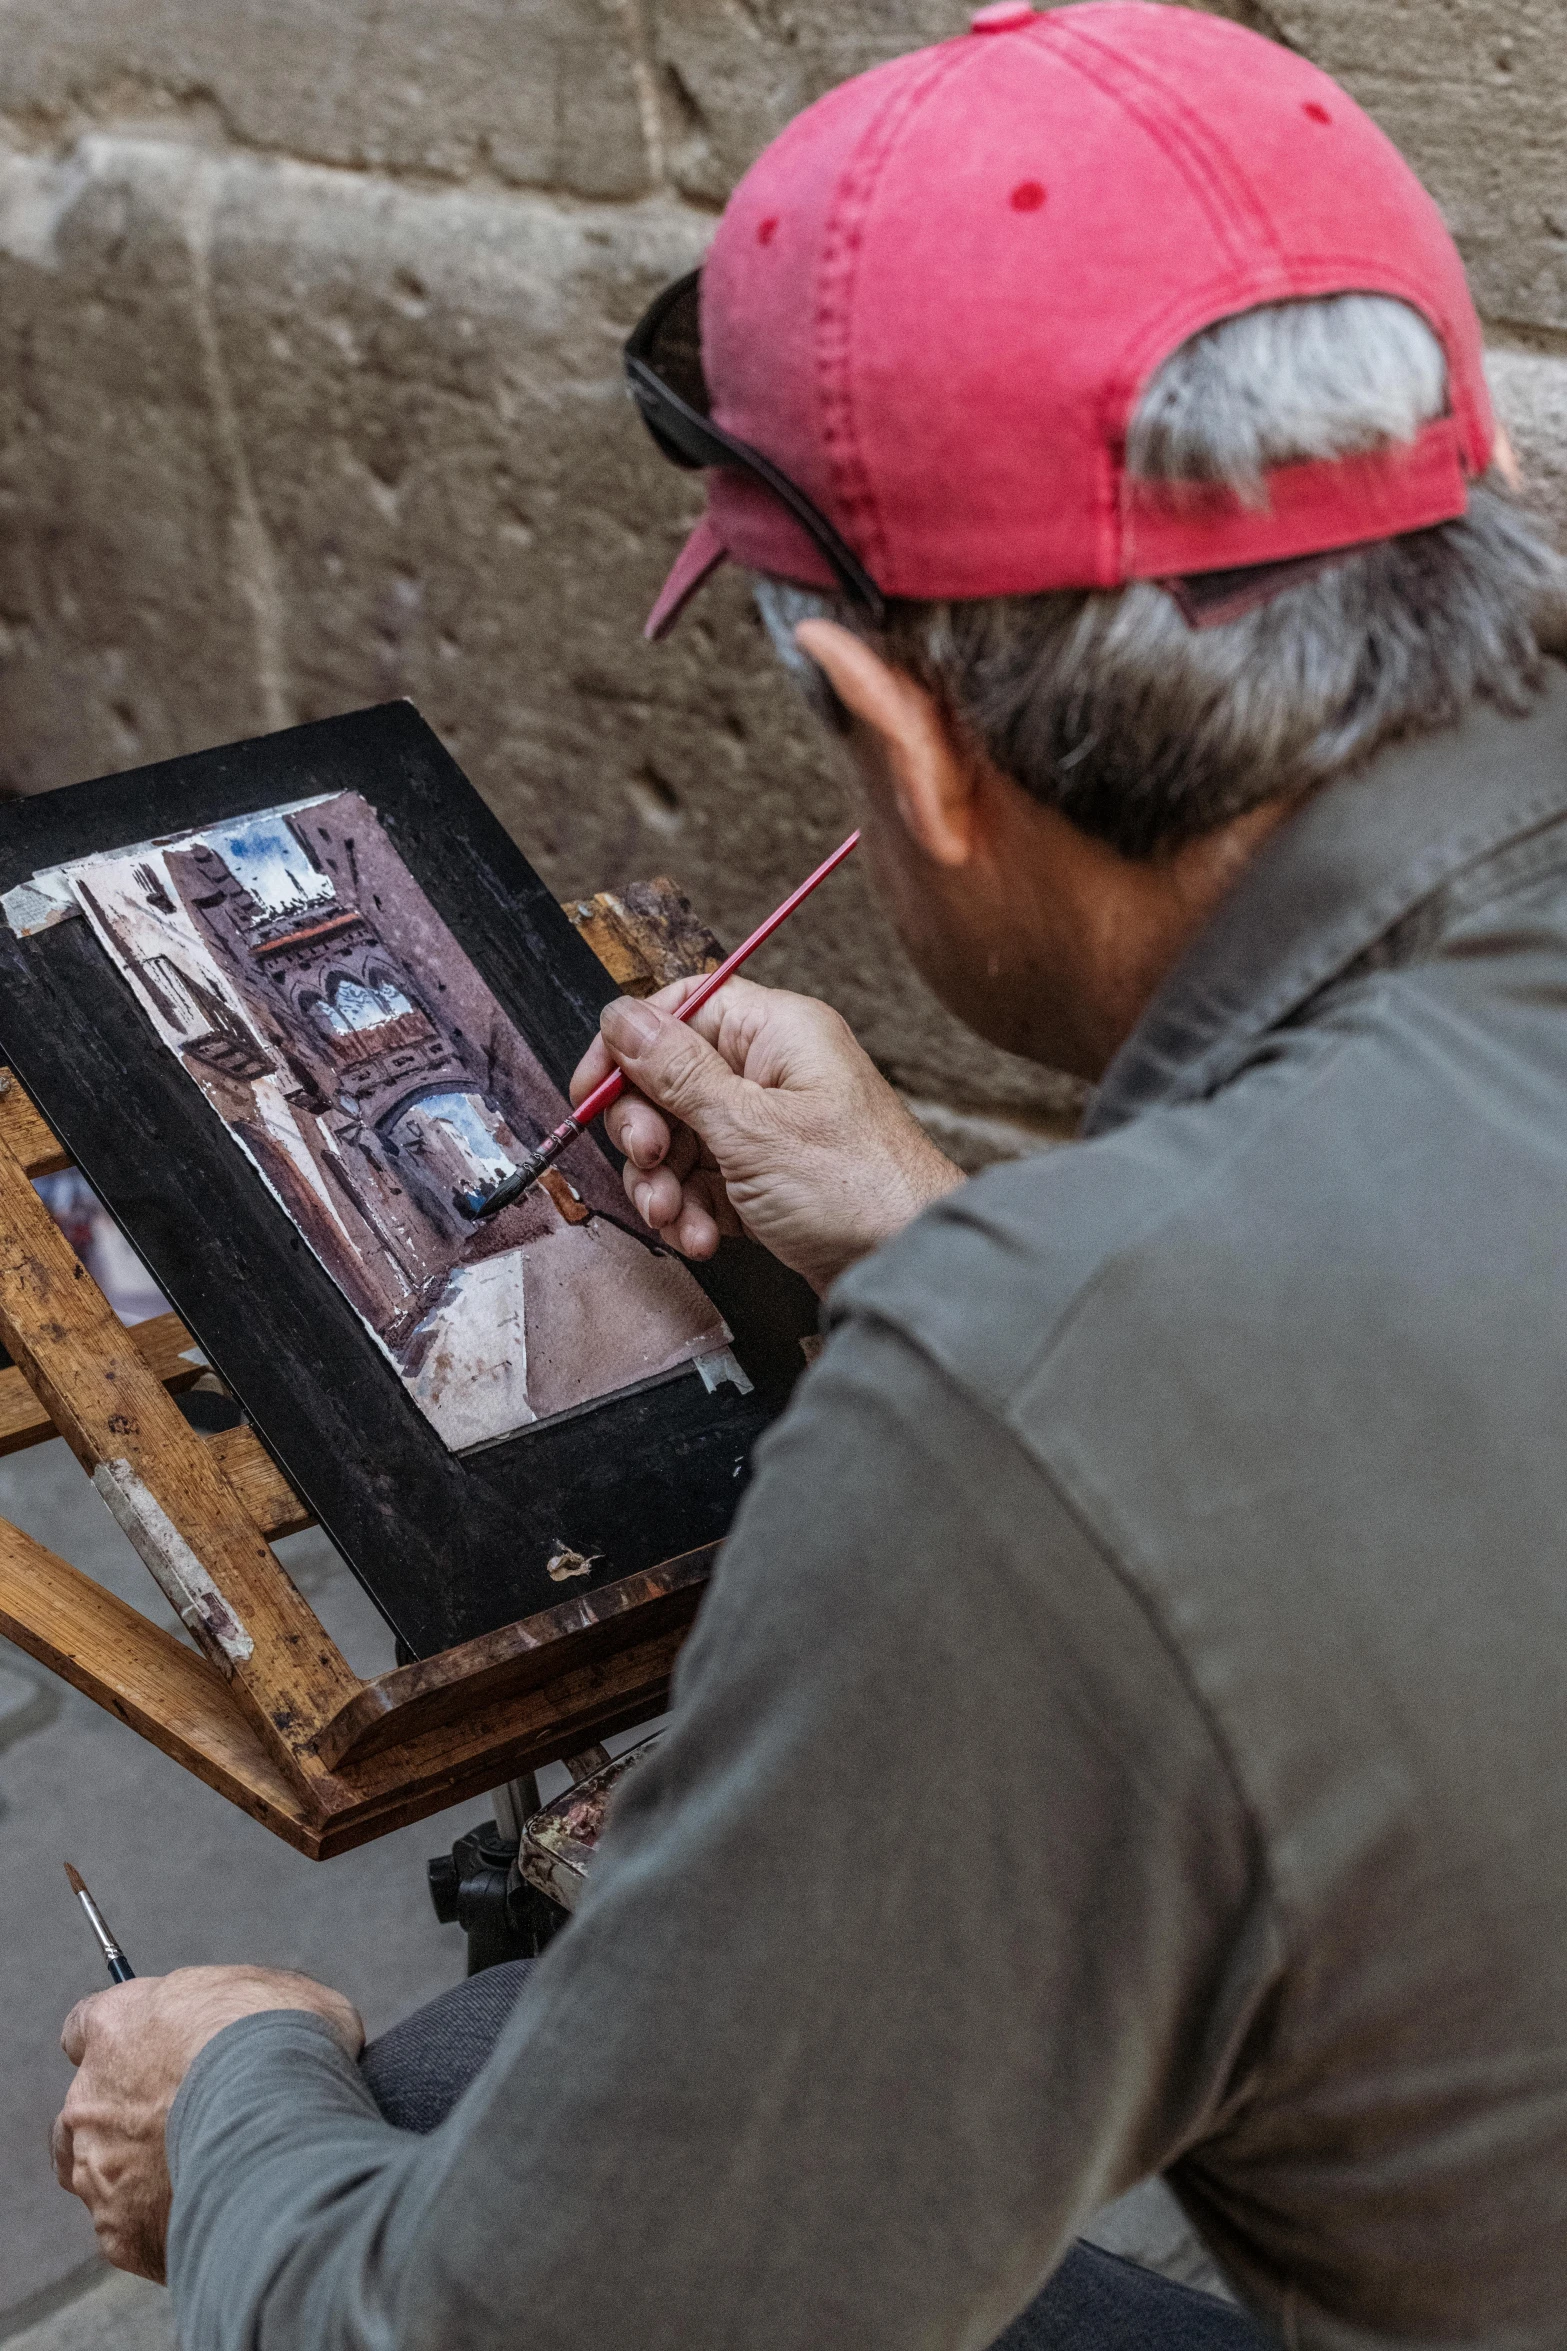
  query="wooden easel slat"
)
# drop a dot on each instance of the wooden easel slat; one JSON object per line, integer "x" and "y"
{"x": 255, "y": 1477}
{"x": 437, "y": 1692}
{"x": 164, "y": 1343}
{"x": 171, "y": 1696}
{"x": 162, "y": 1483}
{"x": 25, "y": 1133}
{"x": 162, "y": 1689}
{"x": 477, "y": 1752}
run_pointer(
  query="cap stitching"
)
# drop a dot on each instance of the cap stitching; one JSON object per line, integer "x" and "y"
{"x": 859, "y": 512}
{"x": 1207, "y": 166}
{"x": 1105, "y": 561}
{"x": 1212, "y": 170}
{"x": 1204, "y": 146}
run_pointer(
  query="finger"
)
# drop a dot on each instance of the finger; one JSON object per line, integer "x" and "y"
{"x": 683, "y": 1224}
{"x": 729, "y": 1019}
{"x": 748, "y": 995}
{"x": 62, "y": 2151}
{"x": 673, "y": 993}
{"x": 73, "y": 2033}
{"x": 707, "y": 1193}
{"x": 669, "y": 1062}
{"x": 726, "y": 1021}
{"x": 657, "y": 1198}
{"x": 635, "y": 1127}
{"x": 133, "y": 2241}
{"x": 597, "y": 1062}
{"x": 696, "y": 1234}
{"x": 597, "y": 1059}
{"x": 703, "y": 1218}
{"x": 591, "y": 1070}
{"x": 655, "y": 1193}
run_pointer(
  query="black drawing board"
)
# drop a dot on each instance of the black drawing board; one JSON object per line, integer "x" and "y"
{"x": 448, "y": 1545}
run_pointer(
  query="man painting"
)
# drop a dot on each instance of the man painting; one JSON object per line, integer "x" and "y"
{"x": 1123, "y": 1736}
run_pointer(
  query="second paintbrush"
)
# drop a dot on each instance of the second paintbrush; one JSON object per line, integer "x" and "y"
{"x": 561, "y": 1138}
{"x": 114, "y": 1958}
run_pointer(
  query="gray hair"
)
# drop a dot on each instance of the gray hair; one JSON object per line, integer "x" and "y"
{"x": 1147, "y": 732}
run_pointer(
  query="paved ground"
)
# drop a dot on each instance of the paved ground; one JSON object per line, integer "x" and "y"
{"x": 184, "y": 1877}
{"x": 104, "y": 2313}
{"x": 181, "y": 1874}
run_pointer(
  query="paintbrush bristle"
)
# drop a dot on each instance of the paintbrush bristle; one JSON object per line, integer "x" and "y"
{"x": 75, "y": 1877}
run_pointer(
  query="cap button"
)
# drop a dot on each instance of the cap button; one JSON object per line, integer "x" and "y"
{"x": 1002, "y": 16}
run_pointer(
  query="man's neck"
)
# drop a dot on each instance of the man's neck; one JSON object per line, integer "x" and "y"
{"x": 1146, "y": 913}
{"x": 1092, "y": 933}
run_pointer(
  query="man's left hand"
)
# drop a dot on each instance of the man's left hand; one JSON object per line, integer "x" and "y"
{"x": 133, "y": 2046}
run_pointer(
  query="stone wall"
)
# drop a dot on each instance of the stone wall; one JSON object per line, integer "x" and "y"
{"x": 309, "y": 396}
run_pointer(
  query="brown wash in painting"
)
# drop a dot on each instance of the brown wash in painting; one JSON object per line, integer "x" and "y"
{"x": 351, "y": 1049}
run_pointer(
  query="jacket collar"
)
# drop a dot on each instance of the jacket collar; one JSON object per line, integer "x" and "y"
{"x": 1360, "y": 856}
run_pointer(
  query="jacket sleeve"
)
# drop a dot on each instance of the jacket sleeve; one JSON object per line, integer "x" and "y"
{"x": 926, "y": 1930}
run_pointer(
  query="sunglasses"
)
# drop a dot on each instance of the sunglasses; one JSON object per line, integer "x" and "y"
{"x": 664, "y": 369}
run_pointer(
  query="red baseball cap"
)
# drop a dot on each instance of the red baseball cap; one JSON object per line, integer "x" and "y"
{"x": 937, "y": 298}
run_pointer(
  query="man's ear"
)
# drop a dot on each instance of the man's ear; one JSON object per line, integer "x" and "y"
{"x": 934, "y": 784}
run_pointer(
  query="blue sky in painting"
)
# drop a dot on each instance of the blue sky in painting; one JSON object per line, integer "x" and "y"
{"x": 365, "y": 1008}
{"x": 264, "y": 854}
{"x": 461, "y": 1114}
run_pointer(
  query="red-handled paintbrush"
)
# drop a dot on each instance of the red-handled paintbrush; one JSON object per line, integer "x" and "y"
{"x": 480, "y": 1204}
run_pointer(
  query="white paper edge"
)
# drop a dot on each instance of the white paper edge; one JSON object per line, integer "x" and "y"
{"x": 47, "y": 896}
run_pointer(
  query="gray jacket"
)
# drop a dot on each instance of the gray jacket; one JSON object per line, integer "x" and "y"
{"x": 1127, "y": 1732}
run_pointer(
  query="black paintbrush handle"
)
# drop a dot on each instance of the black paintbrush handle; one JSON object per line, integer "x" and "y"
{"x": 484, "y": 1204}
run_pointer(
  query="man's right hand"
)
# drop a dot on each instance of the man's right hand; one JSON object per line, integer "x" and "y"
{"x": 133, "y": 2045}
{"x": 761, "y": 1115}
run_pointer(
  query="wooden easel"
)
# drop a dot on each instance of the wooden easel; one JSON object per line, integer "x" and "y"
{"x": 265, "y": 1708}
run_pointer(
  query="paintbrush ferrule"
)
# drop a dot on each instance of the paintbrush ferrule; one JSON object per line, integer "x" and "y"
{"x": 115, "y": 1960}
{"x": 480, "y": 1205}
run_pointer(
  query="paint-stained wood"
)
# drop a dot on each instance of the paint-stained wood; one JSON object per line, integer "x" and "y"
{"x": 515, "y": 1735}
{"x": 560, "y": 1842}
{"x": 25, "y": 1133}
{"x": 164, "y": 1343}
{"x": 23, "y": 1420}
{"x": 162, "y": 1483}
{"x": 436, "y": 1692}
{"x": 168, "y": 1349}
{"x": 645, "y": 935}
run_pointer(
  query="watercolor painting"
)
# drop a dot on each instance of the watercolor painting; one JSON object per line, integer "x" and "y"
{"x": 352, "y": 1051}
